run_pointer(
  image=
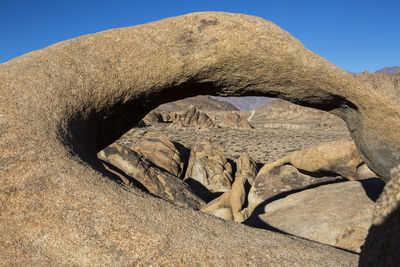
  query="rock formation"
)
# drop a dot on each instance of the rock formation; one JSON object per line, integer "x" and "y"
{"x": 193, "y": 118}
{"x": 246, "y": 166}
{"x": 159, "y": 149}
{"x": 280, "y": 113}
{"x": 229, "y": 205}
{"x": 60, "y": 105}
{"x": 382, "y": 246}
{"x": 281, "y": 180}
{"x": 208, "y": 166}
{"x": 320, "y": 214}
{"x": 152, "y": 118}
{"x": 157, "y": 182}
{"x": 318, "y": 164}
{"x": 388, "y": 84}
{"x": 235, "y": 121}
{"x": 338, "y": 157}
{"x": 202, "y": 102}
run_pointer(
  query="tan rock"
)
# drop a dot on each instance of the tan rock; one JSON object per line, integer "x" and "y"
{"x": 280, "y": 113}
{"x": 247, "y": 166}
{"x": 208, "y": 166}
{"x": 60, "y": 105}
{"x": 152, "y": 118}
{"x": 157, "y": 182}
{"x": 159, "y": 149}
{"x": 235, "y": 121}
{"x": 229, "y": 205}
{"x": 193, "y": 118}
{"x": 313, "y": 165}
{"x": 319, "y": 214}
{"x": 388, "y": 84}
{"x": 281, "y": 180}
{"x": 337, "y": 157}
{"x": 382, "y": 245}
{"x": 220, "y": 206}
{"x": 202, "y": 102}
{"x": 168, "y": 116}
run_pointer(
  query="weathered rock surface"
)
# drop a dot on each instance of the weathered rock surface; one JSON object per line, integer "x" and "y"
{"x": 159, "y": 149}
{"x": 235, "y": 121}
{"x": 208, "y": 166}
{"x": 152, "y": 118}
{"x": 388, "y": 84}
{"x": 229, "y": 205}
{"x": 338, "y": 157}
{"x": 193, "y": 118}
{"x": 157, "y": 182}
{"x": 382, "y": 247}
{"x": 318, "y": 164}
{"x": 279, "y": 181}
{"x": 246, "y": 166}
{"x": 337, "y": 214}
{"x": 60, "y": 105}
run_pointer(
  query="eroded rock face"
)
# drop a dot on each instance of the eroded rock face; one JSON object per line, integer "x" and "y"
{"x": 159, "y": 149}
{"x": 230, "y": 205}
{"x": 337, "y": 214}
{"x": 62, "y": 104}
{"x": 157, "y": 182}
{"x": 152, "y": 118}
{"x": 279, "y": 181}
{"x": 338, "y": 157}
{"x": 382, "y": 246}
{"x": 235, "y": 121}
{"x": 318, "y": 164}
{"x": 193, "y": 118}
{"x": 246, "y": 166}
{"x": 208, "y": 166}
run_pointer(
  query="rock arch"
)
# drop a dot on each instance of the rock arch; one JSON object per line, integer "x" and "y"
{"x": 62, "y": 104}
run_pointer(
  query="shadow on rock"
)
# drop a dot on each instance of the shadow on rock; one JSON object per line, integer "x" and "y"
{"x": 201, "y": 191}
{"x": 254, "y": 220}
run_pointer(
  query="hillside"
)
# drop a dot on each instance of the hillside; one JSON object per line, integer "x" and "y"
{"x": 388, "y": 84}
{"x": 202, "y": 102}
{"x": 390, "y": 70}
{"x": 283, "y": 113}
{"x": 245, "y": 102}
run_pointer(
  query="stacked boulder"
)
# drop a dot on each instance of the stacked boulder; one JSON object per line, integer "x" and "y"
{"x": 230, "y": 205}
{"x": 158, "y": 182}
{"x": 209, "y": 167}
{"x": 235, "y": 121}
{"x": 159, "y": 149}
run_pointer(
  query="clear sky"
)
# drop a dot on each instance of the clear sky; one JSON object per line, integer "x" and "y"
{"x": 355, "y": 35}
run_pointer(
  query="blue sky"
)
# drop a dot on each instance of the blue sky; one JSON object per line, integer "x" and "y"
{"x": 355, "y": 35}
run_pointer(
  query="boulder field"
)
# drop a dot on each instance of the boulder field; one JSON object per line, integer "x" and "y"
{"x": 62, "y": 104}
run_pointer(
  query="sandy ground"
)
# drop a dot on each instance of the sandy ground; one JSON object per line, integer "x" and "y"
{"x": 263, "y": 144}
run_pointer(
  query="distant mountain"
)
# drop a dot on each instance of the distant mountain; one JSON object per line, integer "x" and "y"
{"x": 285, "y": 113}
{"x": 202, "y": 102}
{"x": 352, "y": 73}
{"x": 390, "y": 70}
{"x": 388, "y": 84}
{"x": 245, "y": 102}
